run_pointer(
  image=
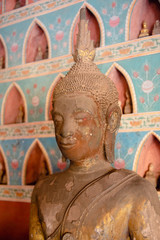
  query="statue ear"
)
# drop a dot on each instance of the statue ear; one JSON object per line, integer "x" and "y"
{"x": 113, "y": 118}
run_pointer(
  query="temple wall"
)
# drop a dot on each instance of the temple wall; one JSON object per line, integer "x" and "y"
{"x": 27, "y": 79}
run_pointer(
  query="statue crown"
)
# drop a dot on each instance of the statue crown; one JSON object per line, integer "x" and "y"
{"x": 84, "y": 76}
{"x": 84, "y": 48}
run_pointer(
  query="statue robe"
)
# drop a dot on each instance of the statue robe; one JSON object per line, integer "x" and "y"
{"x": 118, "y": 205}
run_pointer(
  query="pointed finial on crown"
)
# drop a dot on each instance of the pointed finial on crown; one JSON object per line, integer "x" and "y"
{"x": 84, "y": 47}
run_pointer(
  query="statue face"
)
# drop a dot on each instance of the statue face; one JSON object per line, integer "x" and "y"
{"x": 78, "y": 126}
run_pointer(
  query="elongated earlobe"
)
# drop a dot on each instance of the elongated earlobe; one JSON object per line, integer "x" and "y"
{"x": 113, "y": 118}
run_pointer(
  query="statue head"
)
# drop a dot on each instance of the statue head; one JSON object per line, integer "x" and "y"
{"x": 92, "y": 100}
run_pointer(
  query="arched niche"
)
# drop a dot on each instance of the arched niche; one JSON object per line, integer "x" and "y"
{"x": 149, "y": 159}
{"x": 142, "y": 10}
{"x": 93, "y": 26}
{"x": 125, "y": 96}
{"x": 14, "y": 106}
{"x": 50, "y": 97}
{"x": 2, "y": 54}
{"x": 37, "y": 164}
{"x": 13, "y": 4}
{"x": 3, "y": 169}
{"x": 37, "y": 44}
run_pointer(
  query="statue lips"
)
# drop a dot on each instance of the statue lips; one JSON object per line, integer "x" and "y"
{"x": 66, "y": 143}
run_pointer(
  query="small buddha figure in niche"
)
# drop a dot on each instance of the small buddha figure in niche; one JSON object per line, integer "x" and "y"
{"x": 39, "y": 55}
{"x": 156, "y": 29}
{"x": 90, "y": 200}
{"x": 150, "y": 175}
{"x": 18, "y": 4}
{"x": 43, "y": 168}
{"x": 46, "y": 53}
{"x": 4, "y": 180}
{"x": 128, "y": 103}
{"x": 1, "y": 172}
{"x": 3, "y": 177}
{"x": 144, "y": 31}
{"x": 20, "y": 115}
{"x": 1, "y": 62}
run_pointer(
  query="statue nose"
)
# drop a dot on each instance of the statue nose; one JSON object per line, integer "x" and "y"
{"x": 66, "y": 134}
{"x": 67, "y": 129}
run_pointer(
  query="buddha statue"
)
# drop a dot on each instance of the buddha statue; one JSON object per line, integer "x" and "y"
{"x": 39, "y": 55}
{"x": 3, "y": 177}
{"x": 128, "y": 103}
{"x": 156, "y": 28}
{"x": 45, "y": 56}
{"x": 150, "y": 175}
{"x": 20, "y": 115}
{"x": 144, "y": 31}
{"x": 91, "y": 200}
{"x": 1, "y": 172}
{"x": 43, "y": 170}
{"x": 17, "y": 4}
{"x": 1, "y": 62}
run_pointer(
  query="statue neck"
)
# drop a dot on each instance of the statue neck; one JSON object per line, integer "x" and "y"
{"x": 90, "y": 165}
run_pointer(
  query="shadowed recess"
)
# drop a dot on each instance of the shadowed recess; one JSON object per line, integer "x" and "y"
{"x": 149, "y": 160}
{"x": 14, "y": 113}
{"x": 37, "y": 45}
{"x": 123, "y": 90}
{"x": 3, "y": 173}
{"x": 37, "y": 166}
{"x": 2, "y": 55}
{"x": 144, "y": 10}
{"x": 14, "y": 4}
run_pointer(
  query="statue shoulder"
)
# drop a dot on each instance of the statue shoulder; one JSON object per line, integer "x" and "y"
{"x": 145, "y": 191}
{"x": 136, "y": 187}
{"x": 118, "y": 175}
{"x": 145, "y": 215}
{"x": 47, "y": 184}
{"x": 141, "y": 190}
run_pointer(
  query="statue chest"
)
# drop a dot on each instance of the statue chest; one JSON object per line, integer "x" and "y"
{"x": 55, "y": 200}
{"x": 88, "y": 212}
{"x": 97, "y": 213}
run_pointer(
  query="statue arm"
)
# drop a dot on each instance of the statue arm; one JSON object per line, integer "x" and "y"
{"x": 35, "y": 228}
{"x": 144, "y": 223}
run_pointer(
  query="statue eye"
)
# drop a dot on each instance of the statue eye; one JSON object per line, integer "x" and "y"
{"x": 82, "y": 117}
